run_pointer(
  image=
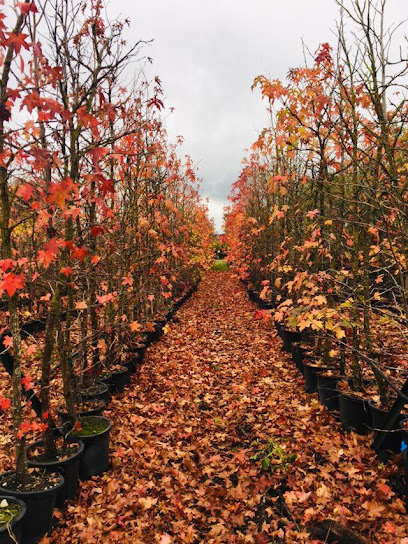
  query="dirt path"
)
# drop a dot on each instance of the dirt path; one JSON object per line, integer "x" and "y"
{"x": 186, "y": 429}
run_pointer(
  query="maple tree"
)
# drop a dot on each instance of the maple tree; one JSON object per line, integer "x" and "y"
{"x": 317, "y": 221}
{"x": 102, "y": 223}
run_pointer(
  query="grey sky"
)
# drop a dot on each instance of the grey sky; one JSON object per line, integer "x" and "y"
{"x": 207, "y": 53}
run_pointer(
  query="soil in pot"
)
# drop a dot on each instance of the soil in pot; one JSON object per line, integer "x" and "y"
{"x": 311, "y": 369}
{"x": 66, "y": 462}
{"x": 12, "y": 512}
{"x": 327, "y": 389}
{"x": 97, "y": 391}
{"x": 39, "y": 496}
{"x": 91, "y": 407}
{"x": 354, "y": 412}
{"x": 94, "y": 432}
{"x": 104, "y": 377}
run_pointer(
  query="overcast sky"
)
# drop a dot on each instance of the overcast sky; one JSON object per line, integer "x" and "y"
{"x": 207, "y": 53}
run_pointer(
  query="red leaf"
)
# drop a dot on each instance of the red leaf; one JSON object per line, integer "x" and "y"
{"x": 27, "y": 383}
{"x": 11, "y": 283}
{"x": 4, "y": 403}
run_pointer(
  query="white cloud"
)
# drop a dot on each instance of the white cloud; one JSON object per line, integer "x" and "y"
{"x": 207, "y": 53}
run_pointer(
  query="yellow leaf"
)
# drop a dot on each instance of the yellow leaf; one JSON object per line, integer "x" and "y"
{"x": 135, "y": 326}
{"x": 340, "y": 333}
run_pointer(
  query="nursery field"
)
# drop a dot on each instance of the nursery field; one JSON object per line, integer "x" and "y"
{"x": 169, "y": 377}
{"x": 216, "y": 440}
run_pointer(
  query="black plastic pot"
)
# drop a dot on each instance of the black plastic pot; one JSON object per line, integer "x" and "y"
{"x": 93, "y": 412}
{"x": 253, "y": 295}
{"x": 69, "y": 468}
{"x": 159, "y": 327}
{"x": 105, "y": 377}
{"x": 406, "y": 476}
{"x": 170, "y": 314}
{"x": 354, "y": 413}
{"x": 119, "y": 379}
{"x": 289, "y": 337}
{"x": 95, "y": 457}
{"x": 152, "y": 336}
{"x": 97, "y": 391}
{"x": 298, "y": 354}
{"x": 16, "y": 525}
{"x": 40, "y": 506}
{"x": 265, "y": 304}
{"x": 392, "y": 440}
{"x": 328, "y": 391}
{"x": 404, "y": 431}
{"x": 135, "y": 358}
{"x": 311, "y": 370}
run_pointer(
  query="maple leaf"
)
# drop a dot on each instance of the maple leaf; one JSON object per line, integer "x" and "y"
{"x": 25, "y": 191}
{"x": 59, "y": 193}
{"x": 31, "y": 349}
{"x": 147, "y": 502}
{"x": 8, "y": 341}
{"x": 127, "y": 280}
{"x": 374, "y": 508}
{"x": 26, "y": 7}
{"x": 82, "y": 305}
{"x": 48, "y": 255}
{"x": 312, "y": 213}
{"x": 4, "y": 403}
{"x": 98, "y": 153}
{"x": 66, "y": 271}
{"x": 104, "y": 299}
{"x": 135, "y": 326}
{"x": 18, "y": 41}
{"x": 165, "y": 539}
{"x": 11, "y": 283}
{"x": 27, "y": 383}
{"x": 79, "y": 253}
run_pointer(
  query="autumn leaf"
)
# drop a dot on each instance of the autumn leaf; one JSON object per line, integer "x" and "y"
{"x": 27, "y": 383}
{"x": 135, "y": 326}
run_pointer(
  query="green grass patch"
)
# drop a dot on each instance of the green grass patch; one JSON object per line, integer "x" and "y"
{"x": 220, "y": 265}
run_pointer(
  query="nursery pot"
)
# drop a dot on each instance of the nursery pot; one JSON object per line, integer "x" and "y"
{"x": 97, "y": 391}
{"x": 16, "y": 525}
{"x": 392, "y": 440}
{"x": 68, "y": 467}
{"x": 40, "y": 505}
{"x": 403, "y": 425}
{"x": 406, "y": 476}
{"x": 119, "y": 379}
{"x": 253, "y": 296}
{"x": 289, "y": 337}
{"x": 152, "y": 336}
{"x": 97, "y": 411}
{"x": 135, "y": 358}
{"x": 170, "y": 314}
{"x": 265, "y": 304}
{"x": 328, "y": 391}
{"x": 298, "y": 356}
{"x": 311, "y": 369}
{"x": 354, "y": 413}
{"x": 95, "y": 435}
{"x": 105, "y": 377}
{"x": 159, "y": 327}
